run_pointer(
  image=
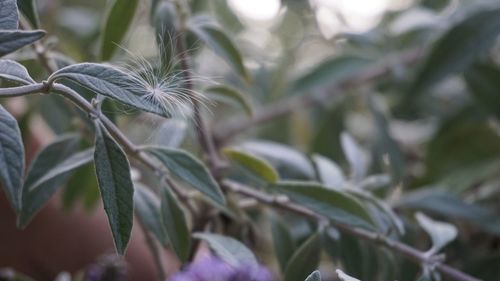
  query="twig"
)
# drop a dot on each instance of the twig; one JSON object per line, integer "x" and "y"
{"x": 407, "y": 251}
{"x": 228, "y": 130}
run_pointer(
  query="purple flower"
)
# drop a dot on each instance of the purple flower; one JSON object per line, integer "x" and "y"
{"x": 214, "y": 269}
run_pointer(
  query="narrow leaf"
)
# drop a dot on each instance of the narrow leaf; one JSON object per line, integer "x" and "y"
{"x": 11, "y": 158}
{"x": 28, "y": 8}
{"x": 229, "y": 249}
{"x": 336, "y": 205}
{"x": 113, "y": 83}
{"x": 189, "y": 169}
{"x": 220, "y": 43}
{"x": 115, "y": 184}
{"x": 329, "y": 172}
{"x": 49, "y": 157}
{"x": 344, "y": 277}
{"x": 284, "y": 246}
{"x": 314, "y": 276}
{"x": 254, "y": 164}
{"x": 483, "y": 82}
{"x": 8, "y": 15}
{"x": 12, "y": 40}
{"x": 459, "y": 47}
{"x": 304, "y": 260}
{"x": 355, "y": 155}
{"x": 175, "y": 225}
{"x": 15, "y": 72}
{"x": 117, "y": 23}
{"x": 147, "y": 207}
{"x": 231, "y": 95}
{"x": 441, "y": 233}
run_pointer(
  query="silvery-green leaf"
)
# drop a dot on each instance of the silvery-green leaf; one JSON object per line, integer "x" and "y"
{"x": 304, "y": 260}
{"x": 15, "y": 72}
{"x": 147, "y": 207}
{"x": 231, "y": 95}
{"x": 441, "y": 233}
{"x": 189, "y": 169}
{"x": 254, "y": 164}
{"x": 329, "y": 172}
{"x": 117, "y": 22}
{"x": 111, "y": 82}
{"x": 355, "y": 155}
{"x": 33, "y": 199}
{"x": 28, "y": 8}
{"x": 11, "y": 158}
{"x": 283, "y": 243}
{"x": 115, "y": 183}
{"x": 314, "y": 276}
{"x": 344, "y": 277}
{"x": 8, "y": 15}
{"x": 339, "y": 206}
{"x": 228, "y": 249}
{"x": 12, "y": 40}
{"x": 175, "y": 225}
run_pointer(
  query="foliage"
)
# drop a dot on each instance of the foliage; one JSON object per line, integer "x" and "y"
{"x": 354, "y": 151}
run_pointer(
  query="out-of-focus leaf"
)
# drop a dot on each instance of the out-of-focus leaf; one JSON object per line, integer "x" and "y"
{"x": 28, "y": 8}
{"x": 336, "y": 205}
{"x": 459, "y": 47}
{"x": 82, "y": 185}
{"x": 228, "y": 249}
{"x": 305, "y": 259}
{"x": 12, "y": 40}
{"x": 11, "y": 158}
{"x": 290, "y": 163}
{"x": 329, "y": 172}
{"x": 189, "y": 169}
{"x": 314, "y": 276}
{"x": 147, "y": 207}
{"x": 231, "y": 95}
{"x": 450, "y": 206}
{"x": 484, "y": 84}
{"x": 284, "y": 246}
{"x": 117, "y": 23}
{"x": 355, "y": 155}
{"x": 220, "y": 43}
{"x": 8, "y": 15}
{"x": 330, "y": 72}
{"x": 344, "y": 277}
{"x": 175, "y": 224}
{"x": 113, "y": 83}
{"x": 441, "y": 233}
{"x": 15, "y": 72}
{"x": 115, "y": 183}
{"x": 55, "y": 153}
{"x": 252, "y": 163}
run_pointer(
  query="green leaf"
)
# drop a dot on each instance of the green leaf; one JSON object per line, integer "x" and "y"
{"x": 175, "y": 224}
{"x": 117, "y": 23}
{"x": 344, "y": 277}
{"x": 228, "y": 249}
{"x": 15, "y": 72}
{"x": 47, "y": 161}
{"x": 189, "y": 169}
{"x": 329, "y": 172}
{"x": 11, "y": 158}
{"x": 332, "y": 71}
{"x": 28, "y": 8}
{"x": 441, "y": 233}
{"x": 220, "y": 43}
{"x": 12, "y": 40}
{"x": 231, "y": 95}
{"x": 314, "y": 276}
{"x": 254, "y": 164}
{"x": 336, "y": 205}
{"x": 459, "y": 47}
{"x": 113, "y": 175}
{"x": 147, "y": 207}
{"x": 483, "y": 82}
{"x": 8, "y": 15}
{"x": 355, "y": 155}
{"x": 282, "y": 242}
{"x": 111, "y": 82}
{"x": 304, "y": 260}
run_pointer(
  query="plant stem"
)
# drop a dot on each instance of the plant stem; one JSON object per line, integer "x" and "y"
{"x": 24, "y": 90}
{"x": 396, "y": 246}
